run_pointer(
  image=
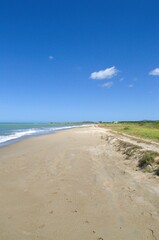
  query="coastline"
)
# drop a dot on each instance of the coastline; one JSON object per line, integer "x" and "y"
{"x": 73, "y": 185}
{"x": 21, "y": 134}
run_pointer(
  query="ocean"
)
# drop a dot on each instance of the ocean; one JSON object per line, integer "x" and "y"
{"x": 13, "y": 132}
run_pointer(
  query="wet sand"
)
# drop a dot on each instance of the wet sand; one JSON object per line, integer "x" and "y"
{"x": 73, "y": 185}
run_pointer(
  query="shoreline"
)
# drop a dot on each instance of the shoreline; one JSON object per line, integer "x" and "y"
{"x": 57, "y": 129}
{"x": 74, "y": 185}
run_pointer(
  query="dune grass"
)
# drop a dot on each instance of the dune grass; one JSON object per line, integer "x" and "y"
{"x": 147, "y": 130}
{"x": 147, "y": 159}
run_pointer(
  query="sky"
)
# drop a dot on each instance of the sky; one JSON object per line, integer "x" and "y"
{"x": 79, "y": 60}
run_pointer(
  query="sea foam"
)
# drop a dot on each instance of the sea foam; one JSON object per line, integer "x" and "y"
{"x": 19, "y": 134}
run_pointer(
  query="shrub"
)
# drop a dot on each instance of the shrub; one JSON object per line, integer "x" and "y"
{"x": 126, "y": 128}
{"x": 147, "y": 159}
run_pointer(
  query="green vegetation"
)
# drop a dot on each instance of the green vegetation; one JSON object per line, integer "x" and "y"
{"x": 148, "y": 162}
{"x": 147, "y": 159}
{"x": 143, "y": 129}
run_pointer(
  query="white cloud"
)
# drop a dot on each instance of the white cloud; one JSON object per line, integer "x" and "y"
{"x": 107, "y": 85}
{"x": 51, "y": 57}
{"x": 130, "y": 85}
{"x": 103, "y": 74}
{"x": 154, "y": 72}
{"x": 121, "y": 79}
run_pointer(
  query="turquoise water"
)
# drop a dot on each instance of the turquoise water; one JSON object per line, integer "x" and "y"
{"x": 12, "y": 132}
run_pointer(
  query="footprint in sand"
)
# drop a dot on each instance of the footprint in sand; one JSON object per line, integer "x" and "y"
{"x": 54, "y": 193}
{"x": 86, "y": 221}
{"x": 42, "y": 226}
{"x": 75, "y": 211}
{"x": 68, "y": 200}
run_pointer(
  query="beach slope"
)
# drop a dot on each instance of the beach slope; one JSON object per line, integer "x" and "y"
{"x": 73, "y": 185}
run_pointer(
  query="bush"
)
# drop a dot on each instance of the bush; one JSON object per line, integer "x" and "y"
{"x": 147, "y": 159}
{"x": 126, "y": 128}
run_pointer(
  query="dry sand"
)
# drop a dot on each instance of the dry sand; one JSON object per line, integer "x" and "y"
{"x": 73, "y": 185}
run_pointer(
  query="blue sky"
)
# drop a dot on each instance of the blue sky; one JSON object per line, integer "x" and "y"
{"x": 76, "y": 60}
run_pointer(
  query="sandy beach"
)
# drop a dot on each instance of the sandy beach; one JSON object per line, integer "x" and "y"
{"x": 73, "y": 185}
